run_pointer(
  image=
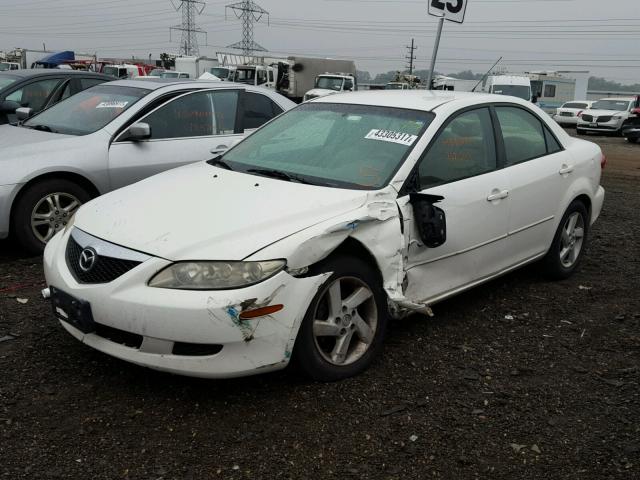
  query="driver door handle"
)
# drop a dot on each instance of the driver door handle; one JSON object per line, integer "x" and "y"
{"x": 566, "y": 169}
{"x": 497, "y": 195}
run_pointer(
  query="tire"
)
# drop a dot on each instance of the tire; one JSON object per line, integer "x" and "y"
{"x": 49, "y": 216}
{"x": 569, "y": 243}
{"x": 632, "y": 140}
{"x": 319, "y": 356}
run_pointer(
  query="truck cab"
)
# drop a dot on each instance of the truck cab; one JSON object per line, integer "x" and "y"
{"x": 513, "y": 85}
{"x": 124, "y": 71}
{"x": 332, "y": 83}
{"x": 256, "y": 75}
{"x": 6, "y": 66}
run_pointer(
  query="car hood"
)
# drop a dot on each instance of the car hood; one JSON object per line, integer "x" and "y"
{"x": 202, "y": 212}
{"x": 18, "y": 142}
{"x": 604, "y": 113}
{"x": 321, "y": 92}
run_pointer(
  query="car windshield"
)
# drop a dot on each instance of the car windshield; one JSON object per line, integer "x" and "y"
{"x": 113, "y": 71}
{"x": 156, "y": 72}
{"x": 335, "y": 145}
{"x": 87, "y": 111}
{"x": 169, "y": 74}
{"x": 4, "y": 67}
{"x": 616, "y": 105}
{"x": 520, "y": 91}
{"x": 6, "y": 80}
{"x": 395, "y": 86}
{"x": 219, "y": 72}
{"x": 330, "y": 83}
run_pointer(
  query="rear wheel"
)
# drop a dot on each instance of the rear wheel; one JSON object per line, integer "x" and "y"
{"x": 44, "y": 209}
{"x": 343, "y": 330}
{"x": 632, "y": 139}
{"x": 569, "y": 243}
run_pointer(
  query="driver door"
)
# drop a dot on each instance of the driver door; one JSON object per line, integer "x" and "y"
{"x": 462, "y": 166}
{"x": 192, "y": 127}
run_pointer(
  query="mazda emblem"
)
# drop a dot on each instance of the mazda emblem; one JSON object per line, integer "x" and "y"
{"x": 88, "y": 258}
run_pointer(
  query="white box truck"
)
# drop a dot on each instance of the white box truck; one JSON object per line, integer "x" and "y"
{"x": 195, "y": 66}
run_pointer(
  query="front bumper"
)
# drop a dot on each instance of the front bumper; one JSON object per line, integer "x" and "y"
{"x": 633, "y": 132}
{"x": 611, "y": 126}
{"x": 562, "y": 120}
{"x": 163, "y": 317}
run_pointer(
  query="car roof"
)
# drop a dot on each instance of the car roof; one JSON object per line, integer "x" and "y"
{"x": 620, "y": 99}
{"x": 45, "y": 72}
{"x": 426, "y": 100}
{"x": 155, "y": 83}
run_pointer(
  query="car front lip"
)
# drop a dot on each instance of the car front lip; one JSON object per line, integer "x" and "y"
{"x": 163, "y": 317}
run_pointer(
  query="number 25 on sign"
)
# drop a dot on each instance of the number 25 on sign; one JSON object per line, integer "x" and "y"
{"x": 452, "y": 10}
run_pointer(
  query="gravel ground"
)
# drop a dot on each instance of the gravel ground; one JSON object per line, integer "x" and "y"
{"x": 517, "y": 379}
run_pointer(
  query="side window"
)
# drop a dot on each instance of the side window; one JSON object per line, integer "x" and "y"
{"x": 523, "y": 136}
{"x": 465, "y": 148}
{"x": 34, "y": 95}
{"x": 89, "y": 82}
{"x": 226, "y": 108}
{"x": 549, "y": 91}
{"x": 187, "y": 116}
{"x": 258, "y": 110}
{"x": 348, "y": 85}
{"x": 262, "y": 77}
{"x": 68, "y": 90}
{"x": 271, "y": 76}
{"x": 552, "y": 144}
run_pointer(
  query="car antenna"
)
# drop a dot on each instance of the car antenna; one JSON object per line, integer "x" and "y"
{"x": 486, "y": 74}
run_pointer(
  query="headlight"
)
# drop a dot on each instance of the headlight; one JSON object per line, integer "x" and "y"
{"x": 616, "y": 118}
{"x": 215, "y": 275}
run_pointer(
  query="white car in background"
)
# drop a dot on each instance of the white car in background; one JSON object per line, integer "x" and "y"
{"x": 569, "y": 113}
{"x": 302, "y": 240}
{"x": 607, "y": 115}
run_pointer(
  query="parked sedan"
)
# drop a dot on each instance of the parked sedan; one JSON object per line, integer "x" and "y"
{"x": 41, "y": 88}
{"x": 569, "y": 113}
{"x": 300, "y": 242}
{"x": 608, "y": 115}
{"x": 112, "y": 135}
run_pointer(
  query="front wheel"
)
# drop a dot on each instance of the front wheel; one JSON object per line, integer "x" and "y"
{"x": 569, "y": 242}
{"x": 43, "y": 210}
{"x": 343, "y": 330}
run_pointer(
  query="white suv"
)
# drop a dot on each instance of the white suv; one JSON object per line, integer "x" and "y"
{"x": 607, "y": 115}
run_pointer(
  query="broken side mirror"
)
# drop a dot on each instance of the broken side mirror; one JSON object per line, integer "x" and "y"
{"x": 430, "y": 220}
{"x": 23, "y": 113}
{"x": 8, "y": 106}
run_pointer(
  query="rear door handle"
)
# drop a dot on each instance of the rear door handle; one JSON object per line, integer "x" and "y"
{"x": 566, "y": 169}
{"x": 497, "y": 195}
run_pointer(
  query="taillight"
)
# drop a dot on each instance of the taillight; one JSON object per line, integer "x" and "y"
{"x": 603, "y": 161}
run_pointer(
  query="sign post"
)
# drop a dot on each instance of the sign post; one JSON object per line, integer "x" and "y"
{"x": 452, "y": 10}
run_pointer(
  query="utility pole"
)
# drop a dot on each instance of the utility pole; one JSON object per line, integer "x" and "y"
{"x": 411, "y": 56}
{"x": 249, "y": 12}
{"x": 189, "y": 39}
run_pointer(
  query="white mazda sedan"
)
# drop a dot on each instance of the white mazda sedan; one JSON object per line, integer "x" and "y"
{"x": 299, "y": 243}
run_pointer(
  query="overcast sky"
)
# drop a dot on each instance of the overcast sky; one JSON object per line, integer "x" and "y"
{"x": 600, "y": 36}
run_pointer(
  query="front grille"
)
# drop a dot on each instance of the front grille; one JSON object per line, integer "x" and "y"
{"x": 116, "y": 335}
{"x": 104, "y": 270}
{"x": 566, "y": 114}
{"x": 604, "y": 119}
{"x": 587, "y": 118}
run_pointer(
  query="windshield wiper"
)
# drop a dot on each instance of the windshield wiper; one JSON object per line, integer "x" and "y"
{"x": 42, "y": 128}
{"x": 280, "y": 175}
{"x": 220, "y": 163}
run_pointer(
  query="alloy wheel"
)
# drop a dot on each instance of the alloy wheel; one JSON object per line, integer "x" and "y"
{"x": 572, "y": 239}
{"x": 52, "y": 213}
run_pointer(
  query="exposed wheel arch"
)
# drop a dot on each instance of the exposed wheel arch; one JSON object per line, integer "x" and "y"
{"x": 354, "y": 247}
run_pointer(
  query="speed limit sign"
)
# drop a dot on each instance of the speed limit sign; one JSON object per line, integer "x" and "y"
{"x": 449, "y": 9}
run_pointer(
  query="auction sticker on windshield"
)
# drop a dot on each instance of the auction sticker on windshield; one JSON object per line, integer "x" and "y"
{"x": 113, "y": 104}
{"x": 391, "y": 136}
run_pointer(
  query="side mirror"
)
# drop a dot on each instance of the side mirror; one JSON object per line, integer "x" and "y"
{"x": 8, "y": 106}
{"x": 23, "y": 113}
{"x": 430, "y": 220}
{"x": 138, "y": 131}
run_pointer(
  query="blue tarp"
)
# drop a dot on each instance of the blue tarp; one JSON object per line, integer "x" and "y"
{"x": 55, "y": 59}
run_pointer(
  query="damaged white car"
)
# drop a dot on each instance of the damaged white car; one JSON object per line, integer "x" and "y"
{"x": 303, "y": 240}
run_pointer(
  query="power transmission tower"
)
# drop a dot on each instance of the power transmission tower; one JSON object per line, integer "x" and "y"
{"x": 411, "y": 57}
{"x": 249, "y": 12}
{"x": 189, "y": 39}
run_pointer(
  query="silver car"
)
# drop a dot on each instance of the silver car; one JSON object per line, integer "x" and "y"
{"x": 113, "y": 135}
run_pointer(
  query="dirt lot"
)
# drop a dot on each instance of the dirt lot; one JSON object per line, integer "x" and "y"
{"x": 518, "y": 379}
